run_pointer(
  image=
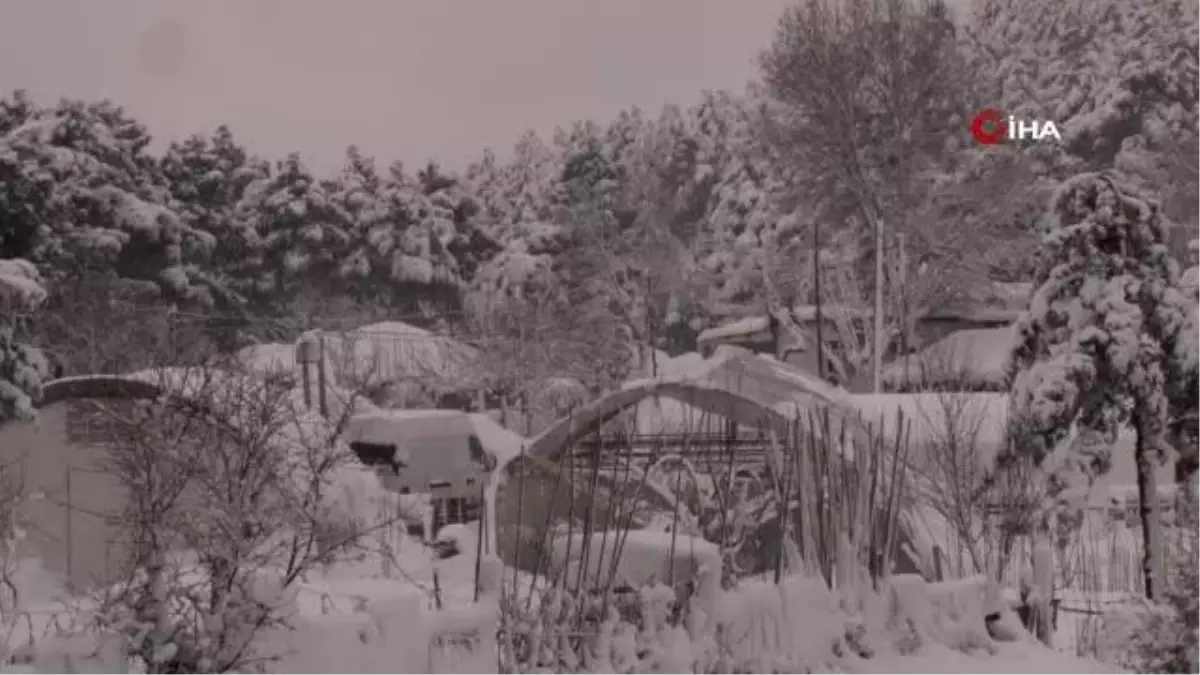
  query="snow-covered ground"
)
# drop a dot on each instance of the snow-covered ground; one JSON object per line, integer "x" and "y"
{"x": 1016, "y": 657}
{"x": 355, "y": 618}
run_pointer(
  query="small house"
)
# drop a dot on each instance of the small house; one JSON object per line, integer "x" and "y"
{"x": 997, "y": 305}
{"x": 446, "y": 454}
{"x": 785, "y": 341}
{"x": 971, "y": 359}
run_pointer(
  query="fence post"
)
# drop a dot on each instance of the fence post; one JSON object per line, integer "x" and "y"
{"x": 70, "y": 553}
{"x": 322, "y": 384}
{"x": 1043, "y": 582}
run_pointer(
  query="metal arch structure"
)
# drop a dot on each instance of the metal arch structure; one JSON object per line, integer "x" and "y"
{"x": 120, "y": 387}
{"x": 708, "y": 398}
{"x": 547, "y": 446}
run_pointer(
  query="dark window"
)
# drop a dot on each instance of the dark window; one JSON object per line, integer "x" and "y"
{"x": 376, "y": 454}
{"x": 476, "y": 449}
{"x": 478, "y": 455}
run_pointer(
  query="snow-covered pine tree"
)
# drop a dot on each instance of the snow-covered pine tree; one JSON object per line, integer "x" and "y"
{"x": 303, "y": 231}
{"x": 452, "y": 219}
{"x": 1095, "y": 346}
{"x": 414, "y": 255}
{"x": 1120, "y": 79}
{"x": 78, "y": 189}
{"x": 356, "y": 190}
{"x": 22, "y": 368}
{"x": 515, "y": 201}
{"x": 207, "y": 177}
{"x": 601, "y": 278}
{"x": 15, "y": 110}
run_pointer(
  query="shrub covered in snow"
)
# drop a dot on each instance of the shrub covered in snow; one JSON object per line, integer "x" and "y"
{"x": 22, "y": 368}
{"x": 798, "y": 625}
{"x": 1163, "y": 638}
{"x": 236, "y": 492}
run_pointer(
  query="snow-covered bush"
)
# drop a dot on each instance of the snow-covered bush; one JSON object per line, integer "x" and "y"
{"x": 615, "y": 632}
{"x": 797, "y": 625}
{"x": 236, "y": 491}
{"x": 1163, "y": 639}
{"x": 1096, "y": 350}
{"x": 22, "y": 368}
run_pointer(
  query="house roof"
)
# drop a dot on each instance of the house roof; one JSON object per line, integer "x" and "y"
{"x": 972, "y": 358}
{"x": 996, "y": 302}
{"x": 739, "y": 328}
{"x": 434, "y": 441}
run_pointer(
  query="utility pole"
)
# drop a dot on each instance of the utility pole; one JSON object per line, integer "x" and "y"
{"x": 817, "y": 292}
{"x": 904, "y": 318}
{"x": 878, "y": 364}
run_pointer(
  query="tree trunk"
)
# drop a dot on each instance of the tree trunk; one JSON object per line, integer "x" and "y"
{"x": 1147, "y": 482}
{"x": 1042, "y": 591}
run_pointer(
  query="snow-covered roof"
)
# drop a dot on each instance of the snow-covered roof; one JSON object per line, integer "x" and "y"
{"x": 829, "y": 311}
{"x": 390, "y": 351}
{"x": 393, "y": 350}
{"x": 1012, "y": 293}
{"x": 238, "y": 400}
{"x": 679, "y": 365}
{"x": 742, "y": 327}
{"x": 413, "y": 426}
{"x": 1190, "y": 281}
{"x": 973, "y": 357}
{"x": 995, "y": 302}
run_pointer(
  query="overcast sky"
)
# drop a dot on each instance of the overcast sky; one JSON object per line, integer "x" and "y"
{"x": 404, "y": 79}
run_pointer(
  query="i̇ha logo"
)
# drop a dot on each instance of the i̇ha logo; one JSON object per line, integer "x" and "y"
{"x": 990, "y": 127}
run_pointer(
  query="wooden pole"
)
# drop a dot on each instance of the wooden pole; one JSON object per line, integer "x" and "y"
{"x": 904, "y": 319}
{"x": 304, "y": 350}
{"x": 817, "y": 292}
{"x": 322, "y": 384}
{"x": 877, "y": 369}
{"x": 69, "y": 534}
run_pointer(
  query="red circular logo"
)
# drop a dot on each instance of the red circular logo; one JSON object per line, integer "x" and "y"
{"x": 988, "y": 127}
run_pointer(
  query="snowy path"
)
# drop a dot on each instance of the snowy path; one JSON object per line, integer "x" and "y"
{"x": 1022, "y": 657}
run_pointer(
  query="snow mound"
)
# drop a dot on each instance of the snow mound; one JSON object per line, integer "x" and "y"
{"x": 645, "y": 557}
{"x": 21, "y": 284}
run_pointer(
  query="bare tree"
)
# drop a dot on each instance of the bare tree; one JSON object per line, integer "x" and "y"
{"x": 535, "y": 357}
{"x": 12, "y": 497}
{"x": 986, "y": 504}
{"x": 952, "y": 466}
{"x": 870, "y": 107}
{"x": 233, "y": 496}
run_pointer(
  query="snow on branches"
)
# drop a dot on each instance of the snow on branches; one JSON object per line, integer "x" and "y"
{"x": 1095, "y": 347}
{"x": 22, "y": 368}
